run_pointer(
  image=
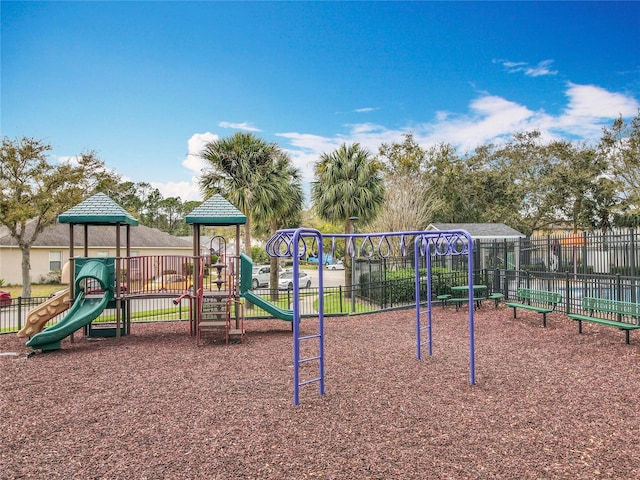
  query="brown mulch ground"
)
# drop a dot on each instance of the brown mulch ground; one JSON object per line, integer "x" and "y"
{"x": 548, "y": 403}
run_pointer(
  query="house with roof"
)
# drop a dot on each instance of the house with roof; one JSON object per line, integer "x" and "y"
{"x": 496, "y": 245}
{"x": 51, "y": 249}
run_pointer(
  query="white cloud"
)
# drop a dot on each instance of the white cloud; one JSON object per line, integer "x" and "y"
{"x": 365, "y": 110}
{"x": 590, "y": 101}
{"x": 184, "y": 189}
{"x": 187, "y": 191}
{"x": 239, "y": 126}
{"x": 195, "y": 145}
{"x": 488, "y": 119}
{"x": 541, "y": 69}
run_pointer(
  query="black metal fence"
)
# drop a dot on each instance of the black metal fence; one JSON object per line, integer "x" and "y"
{"x": 609, "y": 253}
{"x": 14, "y": 316}
{"x": 603, "y": 265}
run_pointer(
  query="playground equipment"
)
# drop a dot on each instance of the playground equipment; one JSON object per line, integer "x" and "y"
{"x": 297, "y": 243}
{"x": 88, "y": 304}
{"x": 38, "y": 317}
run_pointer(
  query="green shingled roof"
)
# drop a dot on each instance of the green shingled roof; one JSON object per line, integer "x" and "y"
{"x": 217, "y": 210}
{"x": 97, "y": 210}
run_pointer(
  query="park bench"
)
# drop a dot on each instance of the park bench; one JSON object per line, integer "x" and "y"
{"x": 458, "y": 301}
{"x": 540, "y": 301}
{"x": 622, "y": 310}
{"x": 496, "y": 297}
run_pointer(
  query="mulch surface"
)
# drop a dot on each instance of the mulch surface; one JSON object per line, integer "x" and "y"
{"x": 547, "y": 403}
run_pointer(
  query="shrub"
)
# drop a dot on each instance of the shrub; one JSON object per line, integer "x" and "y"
{"x": 259, "y": 255}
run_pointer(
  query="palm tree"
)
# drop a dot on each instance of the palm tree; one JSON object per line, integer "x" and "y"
{"x": 238, "y": 171}
{"x": 278, "y": 204}
{"x": 348, "y": 184}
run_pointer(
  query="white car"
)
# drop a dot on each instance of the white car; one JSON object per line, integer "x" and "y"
{"x": 285, "y": 280}
{"x": 260, "y": 276}
{"x": 336, "y": 266}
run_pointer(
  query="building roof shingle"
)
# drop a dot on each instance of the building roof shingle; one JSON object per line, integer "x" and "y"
{"x": 480, "y": 230}
{"x": 97, "y": 210}
{"x": 216, "y": 210}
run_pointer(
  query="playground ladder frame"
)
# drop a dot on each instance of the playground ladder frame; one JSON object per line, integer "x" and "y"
{"x": 292, "y": 243}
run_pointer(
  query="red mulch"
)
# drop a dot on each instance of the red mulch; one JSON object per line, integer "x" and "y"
{"x": 548, "y": 403}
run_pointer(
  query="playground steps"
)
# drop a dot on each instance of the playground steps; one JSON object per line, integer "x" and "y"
{"x": 219, "y": 310}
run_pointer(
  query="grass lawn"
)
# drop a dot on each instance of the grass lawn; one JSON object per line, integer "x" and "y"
{"x": 37, "y": 290}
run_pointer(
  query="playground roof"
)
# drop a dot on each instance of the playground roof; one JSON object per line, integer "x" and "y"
{"x": 216, "y": 210}
{"x": 484, "y": 231}
{"x": 97, "y": 210}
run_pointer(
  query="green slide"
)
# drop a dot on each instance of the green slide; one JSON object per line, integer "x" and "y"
{"x": 83, "y": 311}
{"x": 246, "y": 270}
{"x": 268, "y": 307}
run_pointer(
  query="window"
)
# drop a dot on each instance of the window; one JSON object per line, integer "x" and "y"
{"x": 55, "y": 261}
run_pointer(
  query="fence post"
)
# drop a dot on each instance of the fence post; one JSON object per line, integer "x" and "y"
{"x": 19, "y": 313}
{"x": 568, "y": 290}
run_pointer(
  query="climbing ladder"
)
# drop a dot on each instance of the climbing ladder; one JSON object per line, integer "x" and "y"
{"x": 219, "y": 307}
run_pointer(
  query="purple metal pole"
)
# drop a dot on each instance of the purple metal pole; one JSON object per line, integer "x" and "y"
{"x": 429, "y": 329}
{"x": 416, "y": 265}
{"x": 295, "y": 320}
{"x": 472, "y": 352}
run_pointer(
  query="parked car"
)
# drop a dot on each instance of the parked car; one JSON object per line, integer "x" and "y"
{"x": 5, "y": 298}
{"x": 336, "y": 266}
{"x": 261, "y": 275}
{"x": 285, "y": 280}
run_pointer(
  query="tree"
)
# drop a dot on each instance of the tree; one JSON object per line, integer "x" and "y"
{"x": 579, "y": 192}
{"x": 35, "y": 192}
{"x": 620, "y": 147}
{"x": 348, "y": 183}
{"x": 278, "y": 204}
{"x": 238, "y": 167}
{"x": 409, "y": 202}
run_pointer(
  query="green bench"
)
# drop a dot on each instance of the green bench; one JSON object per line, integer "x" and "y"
{"x": 619, "y": 308}
{"x": 496, "y": 297}
{"x": 540, "y": 301}
{"x": 457, "y": 301}
{"x": 443, "y": 299}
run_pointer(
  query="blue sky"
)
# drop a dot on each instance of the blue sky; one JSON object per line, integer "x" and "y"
{"x": 146, "y": 84}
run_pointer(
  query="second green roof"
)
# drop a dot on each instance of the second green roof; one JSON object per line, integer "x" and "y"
{"x": 216, "y": 210}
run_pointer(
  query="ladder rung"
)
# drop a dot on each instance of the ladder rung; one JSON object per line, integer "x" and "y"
{"x": 310, "y": 359}
{"x": 213, "y": 323}
{"x": 309, "y": 337}
{"x": 309, "y": 381}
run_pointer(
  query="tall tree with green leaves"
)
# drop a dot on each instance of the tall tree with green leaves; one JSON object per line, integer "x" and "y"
{"x": 620, "y": 148}
{"x": 410, "y": 203}
{"x": 237, "y": 170}
{"x": 578, "y": 190}
{"x": 348, "y": 184}
{"x": 278, "y": 204}
{"x": 34, "y": 192}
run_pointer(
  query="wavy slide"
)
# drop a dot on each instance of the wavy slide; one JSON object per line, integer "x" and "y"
{"x": 40, "y": 315}
{"x": 83, "y": 311}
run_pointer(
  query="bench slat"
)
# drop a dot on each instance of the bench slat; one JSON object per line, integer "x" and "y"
{"x": 529, "y": 307}
{"x": 604, "y": 321}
